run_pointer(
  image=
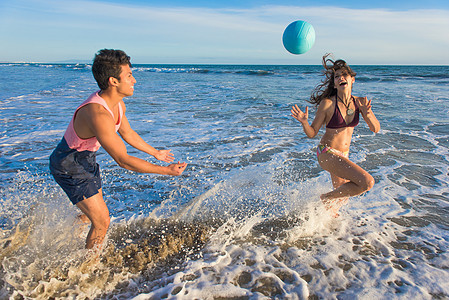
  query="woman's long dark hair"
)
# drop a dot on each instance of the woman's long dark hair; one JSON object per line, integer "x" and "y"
{"x": 326, "y": 88}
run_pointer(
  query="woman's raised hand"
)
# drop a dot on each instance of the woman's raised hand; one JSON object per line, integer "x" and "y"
{"x": 299, "y": 114}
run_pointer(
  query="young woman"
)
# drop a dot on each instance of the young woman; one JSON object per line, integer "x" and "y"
{"x": 339, "y": 110}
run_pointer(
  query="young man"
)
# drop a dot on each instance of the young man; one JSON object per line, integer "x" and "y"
{"x": 95, "y": 123}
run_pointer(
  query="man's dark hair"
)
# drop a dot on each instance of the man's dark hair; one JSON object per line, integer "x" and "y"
{"x": 108, "y": 63}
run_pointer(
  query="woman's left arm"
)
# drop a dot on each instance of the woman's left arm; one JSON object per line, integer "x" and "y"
{"x": 368, "y": 115}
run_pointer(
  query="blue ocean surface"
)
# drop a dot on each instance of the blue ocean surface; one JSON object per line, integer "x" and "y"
{"x": 244, "y": 221}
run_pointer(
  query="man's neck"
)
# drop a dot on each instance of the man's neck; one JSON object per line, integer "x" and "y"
{"x": 110, "y": 96}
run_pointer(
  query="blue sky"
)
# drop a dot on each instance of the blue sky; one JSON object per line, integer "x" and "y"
{"x": 224, "y": 32}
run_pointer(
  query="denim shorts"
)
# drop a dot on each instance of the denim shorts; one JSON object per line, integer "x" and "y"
{"x": 77, "y": 173}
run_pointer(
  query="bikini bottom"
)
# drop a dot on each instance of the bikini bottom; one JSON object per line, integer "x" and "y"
{"x": 326, "y": 149}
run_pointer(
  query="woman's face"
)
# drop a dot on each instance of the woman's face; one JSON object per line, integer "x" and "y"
{"x": 343, "y": 80}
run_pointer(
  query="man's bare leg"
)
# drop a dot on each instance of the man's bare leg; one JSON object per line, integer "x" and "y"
{"x": 97, "y": 212}
{"x": 83, "y": 219}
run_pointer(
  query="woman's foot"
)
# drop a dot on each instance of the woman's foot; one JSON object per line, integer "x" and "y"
{"x": 334, "y": 205}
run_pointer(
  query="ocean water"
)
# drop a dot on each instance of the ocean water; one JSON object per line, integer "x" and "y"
{"x": 244, "y": 221}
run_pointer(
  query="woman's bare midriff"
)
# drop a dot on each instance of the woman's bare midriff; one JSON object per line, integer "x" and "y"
{"x": 338, "y": 138}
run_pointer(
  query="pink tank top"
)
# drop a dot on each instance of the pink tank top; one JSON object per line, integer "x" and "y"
{"x": 92, "y": 143}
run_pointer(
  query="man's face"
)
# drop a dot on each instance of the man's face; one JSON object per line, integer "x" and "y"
{"x": 126, "y": 82}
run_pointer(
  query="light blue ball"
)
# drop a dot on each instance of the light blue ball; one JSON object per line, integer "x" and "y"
{"x": 298, "y": 37}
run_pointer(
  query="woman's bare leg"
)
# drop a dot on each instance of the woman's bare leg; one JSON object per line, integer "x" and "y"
{"x": 334, "y": 205}
{"x": 356, "y": 180}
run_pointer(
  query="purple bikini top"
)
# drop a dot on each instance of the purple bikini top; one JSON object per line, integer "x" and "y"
{"x": 337, "y": 120}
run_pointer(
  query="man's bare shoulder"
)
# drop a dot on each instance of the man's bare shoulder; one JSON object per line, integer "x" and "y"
{"x": 94, "y": 115}
{"x": 93, "y": 110}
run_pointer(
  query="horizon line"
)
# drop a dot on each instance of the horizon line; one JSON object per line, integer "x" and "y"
{"x": 216, "y": 64}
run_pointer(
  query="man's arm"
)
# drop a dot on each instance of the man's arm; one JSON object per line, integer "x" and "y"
{"x": 134, "y": 139}
{"x": 102, "y": 126}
